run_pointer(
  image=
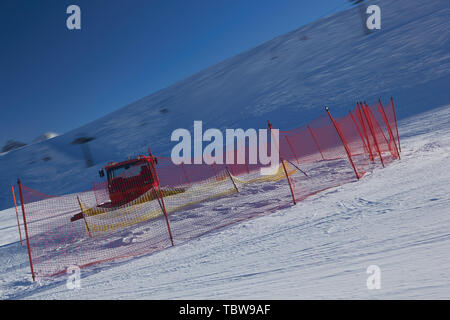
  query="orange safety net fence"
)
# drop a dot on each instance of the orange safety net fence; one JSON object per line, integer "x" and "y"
{"x": 147, "y": 208}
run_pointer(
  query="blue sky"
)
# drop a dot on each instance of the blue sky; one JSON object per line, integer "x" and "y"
{"x": 54, "y": 79}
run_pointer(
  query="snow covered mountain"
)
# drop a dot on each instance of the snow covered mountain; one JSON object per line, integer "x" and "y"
{"x": 45, "y": 136}
{"x": 287, "y": 80}
{"x": 396, "y": 218}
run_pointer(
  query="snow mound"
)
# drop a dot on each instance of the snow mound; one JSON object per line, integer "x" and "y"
{"x": 45, "y": 136}
{"x": 11, "y": 145}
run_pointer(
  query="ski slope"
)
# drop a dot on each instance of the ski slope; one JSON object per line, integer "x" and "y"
{"x": 396, "y": 218}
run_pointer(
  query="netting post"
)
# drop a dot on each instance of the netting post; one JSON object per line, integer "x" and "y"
{"x": 343, "y": 142}
{"x": 231, "y": 178}
{"x": 292, "y": 149}
{"x": 163, "y": 207}
{"x": 289, "y": 180}
{"x": 376, "y": 122}
{"x": 361, "y": 119}
{"x": 359, "y": 132}
{"x": 284, "y": 166}
{"x": 17, "y": 215}
{"x": 26, "y": 230}
{"x": 84, "y": 218}
{"x": 315, "y": 142}
{"x": 391, "y": 135}
{"x": 395, "y": 121}
{"x": 369, "y": 122}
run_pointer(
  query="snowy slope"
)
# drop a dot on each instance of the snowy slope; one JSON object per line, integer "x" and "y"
{"x": 396, "y": 218}
{"x": 287, "y": 80}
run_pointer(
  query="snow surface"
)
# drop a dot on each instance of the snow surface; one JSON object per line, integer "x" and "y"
{"x": 396, "y": 218}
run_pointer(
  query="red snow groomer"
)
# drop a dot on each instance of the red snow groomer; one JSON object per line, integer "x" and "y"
{"x": 127, "y": 180}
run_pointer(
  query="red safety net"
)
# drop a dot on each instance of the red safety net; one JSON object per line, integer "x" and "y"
{"x": 146, "y": 208}
{"x": 381, "y": 139}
